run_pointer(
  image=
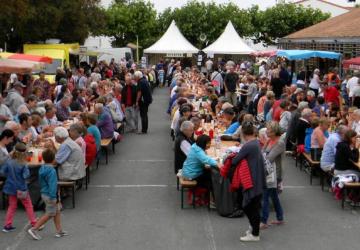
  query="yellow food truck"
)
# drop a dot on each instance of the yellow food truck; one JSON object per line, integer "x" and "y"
{"x": 63, "y": 56}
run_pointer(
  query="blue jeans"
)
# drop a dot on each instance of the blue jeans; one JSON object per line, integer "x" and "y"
{"x": 273, "y": 194}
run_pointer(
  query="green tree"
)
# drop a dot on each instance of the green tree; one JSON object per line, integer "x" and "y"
{"x": 284, "y": 19}
{"x": 196, "y": 18}
{"x": 127, "y": 20}
{"x": 28, "y": 21}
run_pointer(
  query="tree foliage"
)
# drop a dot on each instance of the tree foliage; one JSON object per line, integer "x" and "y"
{"x": 24, "y": 21}
{"x": 196, "y": 18}
{"x": 128, "y": 19}
{"x": 27, "y": 21}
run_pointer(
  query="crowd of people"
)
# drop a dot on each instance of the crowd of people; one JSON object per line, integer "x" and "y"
{"x": 266, "y": 112}
{"x": 66, "y": 120}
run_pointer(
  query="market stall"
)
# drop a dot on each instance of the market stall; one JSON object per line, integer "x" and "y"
{"x": 352, "y": 64}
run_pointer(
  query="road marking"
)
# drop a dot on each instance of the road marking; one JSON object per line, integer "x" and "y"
{"x": 165, "y": 185}
{"x": 151, "y": 160}
{"x": 128, "y": 186}
{"x": 18, "y": 238}
{"x": 209, "y": 232}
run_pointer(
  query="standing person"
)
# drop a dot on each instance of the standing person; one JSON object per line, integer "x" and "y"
{"x": 81, "y": 80}
{"x": 128, "y": 104}
{"x": 48, "y": 184}
{"x": 273, "y": 150}
{"x": 143, "y": 99}
{"x": 16, "y": 173}
{"x": 44, "y": 85}
{"x": 14, "y": 97}
{"x": 231, "y": 82}
{"x": 5, "y": 113}
{"x": 252, "y": 197}
{"x": 161, "y": 76}
{"x": 217, "y": 80}
{"x": 6, "y": 137}
{"x": 209, "y": 66}
{"x": 315, "y": 82}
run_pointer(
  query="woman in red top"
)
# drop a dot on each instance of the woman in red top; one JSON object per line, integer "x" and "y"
{"x": 331, "y": 94}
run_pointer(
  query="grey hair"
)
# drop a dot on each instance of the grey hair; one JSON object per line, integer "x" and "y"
{"x": 186, "y": 125}
{"x": 138, "y": 74}
{"x": 310, "y": 93}
{"x": 41, "y": 110}
{"x": 10, "y": 125}
{"x": 357, "y": 112}
{"x": 306, "y": 113}
{"x": 61, "y": 132}
{"x": 66, "y": 97}
{"x": 274, "y": 127}
{"x": 99, "y": 106}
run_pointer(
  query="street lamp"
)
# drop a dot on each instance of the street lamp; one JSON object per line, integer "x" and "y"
{"x": 137, "y": 49}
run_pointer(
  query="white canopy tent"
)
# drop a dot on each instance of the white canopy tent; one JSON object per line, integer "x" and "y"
{"x": 229, "y": 43}
{"x": 172, "y": 41}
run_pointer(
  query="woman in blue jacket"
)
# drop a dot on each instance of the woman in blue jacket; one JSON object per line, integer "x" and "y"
{"x": 194, "y": 165}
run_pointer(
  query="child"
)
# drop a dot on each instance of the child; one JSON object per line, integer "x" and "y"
{"x": 16, "y": 173}
{"x": 48, "y": 184}
{"x": 161, "y": 76}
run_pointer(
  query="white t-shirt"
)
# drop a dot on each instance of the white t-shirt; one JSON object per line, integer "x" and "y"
{"x": 351, "y": 84}
{"x": 262, "y": 71}
{"x": 314, "y": 83}
{"x": 209, "y": 65}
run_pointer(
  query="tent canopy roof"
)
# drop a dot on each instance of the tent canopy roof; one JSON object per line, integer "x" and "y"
{"x": 172, "y": 41}
{"x": 306, "y": 54}
{"x": 353, "y": 63}
{"x": 229, "y": 42}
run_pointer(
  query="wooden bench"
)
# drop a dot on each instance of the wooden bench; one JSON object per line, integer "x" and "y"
{"x": 105, "y": 143}
{"x": 346, "y": 188}
{"x": 313, "y": 164}
{"x": 189, "y": 185}
{"x": 71, "y": 185}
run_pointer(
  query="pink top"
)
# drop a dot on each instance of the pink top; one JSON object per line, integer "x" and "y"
{"x": 318, "y": 138}
{"x": 80, "y": 141}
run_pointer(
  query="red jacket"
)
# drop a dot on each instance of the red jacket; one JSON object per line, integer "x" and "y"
{"x": 242, "y": 175}
{"x": 90, "y": 154}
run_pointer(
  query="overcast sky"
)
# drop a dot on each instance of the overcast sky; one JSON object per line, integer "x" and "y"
{"x": 160, "y": 5}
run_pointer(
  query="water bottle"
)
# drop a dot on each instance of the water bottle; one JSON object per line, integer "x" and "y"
{"x": 217, "y": 141}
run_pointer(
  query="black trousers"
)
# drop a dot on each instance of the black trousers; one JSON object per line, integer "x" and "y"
{"x": 252, "y": 211}
{"x": 144, "y": 117}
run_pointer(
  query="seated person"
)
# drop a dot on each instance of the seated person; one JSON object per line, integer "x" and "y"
{"x": 63, "y": 111}
{"x": 237, "y": 136}
{"x": 183, "y": 142}
{"x": 194, "y": 165}
{"x": 346, "y": 154}
{"x": 104, "y": 123}
{"x": 69, "y": 156}
{"x": 26, "y": 134}
{"x": 327, "y": 160}
{"x": 230, "y": 120}
{"x": 320, "y": 134}
{"x": 308, "y": 134}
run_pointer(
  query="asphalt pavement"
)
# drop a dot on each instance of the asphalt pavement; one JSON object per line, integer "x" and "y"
{"x": 132, "y": 203}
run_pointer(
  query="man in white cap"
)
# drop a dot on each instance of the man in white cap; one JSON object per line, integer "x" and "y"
{"x": 14, "y": 98}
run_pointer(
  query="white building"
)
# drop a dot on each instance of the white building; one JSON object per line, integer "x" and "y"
{"x": 335, "y": 8}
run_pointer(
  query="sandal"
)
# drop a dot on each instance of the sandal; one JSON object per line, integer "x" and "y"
{"x": 263, "y": 226}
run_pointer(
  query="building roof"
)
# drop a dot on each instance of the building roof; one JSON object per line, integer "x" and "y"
{"x": 173, "y": 41}
{"x": 343, "y": 26}
{"x": 229, "y": 43}
{"x": 326, "y": 2}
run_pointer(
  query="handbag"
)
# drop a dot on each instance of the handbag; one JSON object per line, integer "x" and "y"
{"x": 270, "y": 170}
{"x": 21, "y": 195}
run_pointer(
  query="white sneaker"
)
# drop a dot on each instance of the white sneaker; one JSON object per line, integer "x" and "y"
{"x": 250, "y": 237}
